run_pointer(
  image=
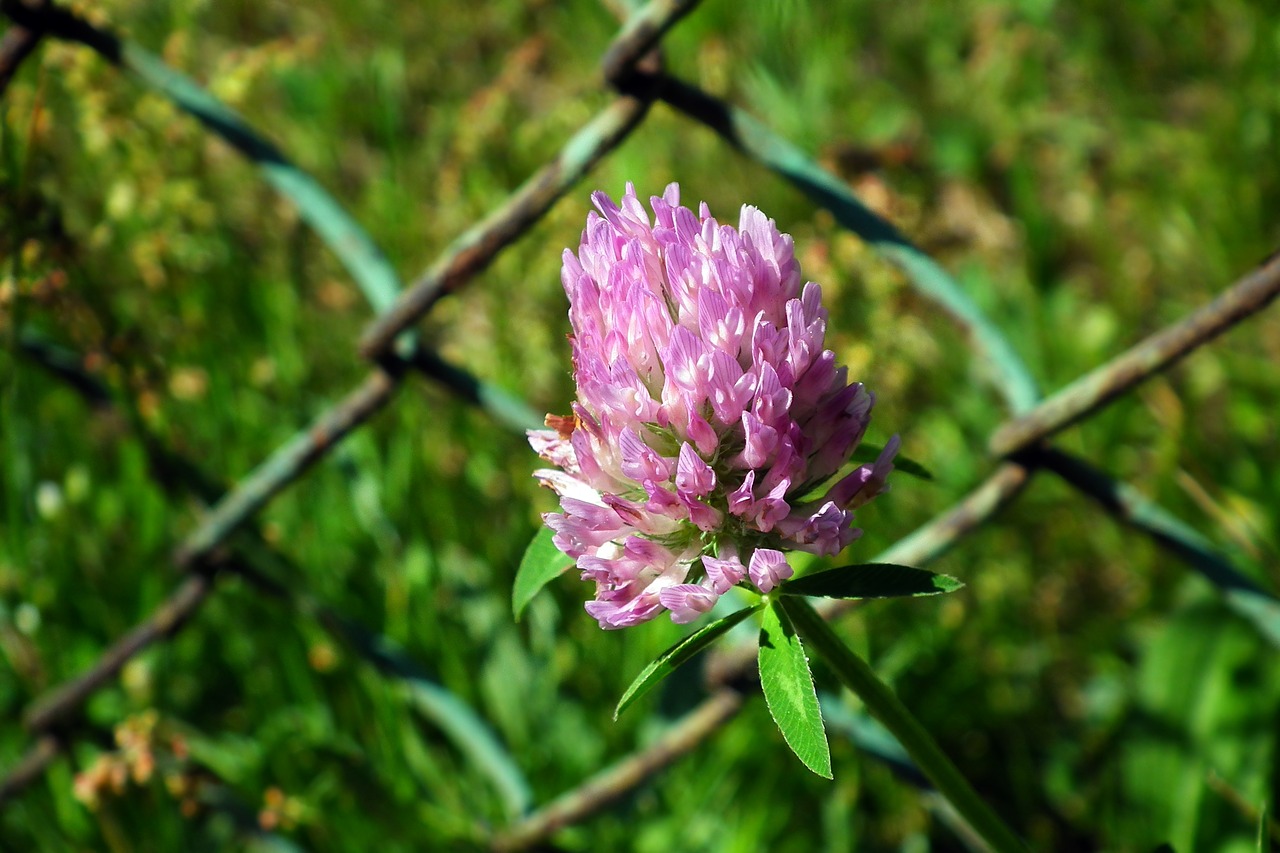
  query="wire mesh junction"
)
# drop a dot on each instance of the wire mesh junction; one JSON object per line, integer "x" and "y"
{"x": 225, "y": 541}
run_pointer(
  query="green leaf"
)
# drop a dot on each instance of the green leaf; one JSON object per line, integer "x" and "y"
{"x": 871, "y": 580}
{"x": 542, "y": 563}
{"x": 870, "y": 452}
{"x": 679, "y": 654}
{"x": 788, "y": 691}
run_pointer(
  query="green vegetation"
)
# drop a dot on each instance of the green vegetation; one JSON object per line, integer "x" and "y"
{"x": 1090, "y": 172}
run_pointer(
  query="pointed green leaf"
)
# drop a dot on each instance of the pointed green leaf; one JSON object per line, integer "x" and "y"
{"x": 788, "y": 691}
{"x": 679, "y": 654}
{"x": 542, "y": 563}
{"x": 871, "y": 580}
{"x": 870, "y": 452}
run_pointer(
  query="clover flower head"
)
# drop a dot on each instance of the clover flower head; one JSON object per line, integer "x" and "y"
{"x": 709, "y": 417}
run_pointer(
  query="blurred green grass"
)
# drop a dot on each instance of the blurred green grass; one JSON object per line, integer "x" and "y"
{"x": 1090, "y": 172}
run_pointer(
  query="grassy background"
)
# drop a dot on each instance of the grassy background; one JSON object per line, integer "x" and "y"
{"x": 1090, "y": 171}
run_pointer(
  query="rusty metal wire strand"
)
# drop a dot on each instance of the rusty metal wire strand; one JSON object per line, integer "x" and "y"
{"x": 16, "y": 45}
{"x": 476, "y": 248}
{"x": 285, "y": 465}
{"x": 30, "y": 767}
{"x": 614, "y": 782}
{"x": 1100, "y": 386}
{"x": 249, "y": 557}
{"x": 627, "y": 65}
{"x": 472, "y": 252}
{"x": 59, "y": 704}
{"x": 469, "y": 255}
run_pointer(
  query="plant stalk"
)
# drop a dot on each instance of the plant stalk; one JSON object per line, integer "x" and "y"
{"x": 854, "y": 672}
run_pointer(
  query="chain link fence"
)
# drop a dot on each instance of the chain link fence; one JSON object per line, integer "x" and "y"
{"x": 226, "y": 542}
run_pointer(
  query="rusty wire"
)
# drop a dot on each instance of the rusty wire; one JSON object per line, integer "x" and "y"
{"x": 468, "y": 255}
{"x": 629, "y": 65}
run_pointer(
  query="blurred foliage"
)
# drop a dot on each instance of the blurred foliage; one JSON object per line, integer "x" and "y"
{"x": 1091, "y": 171}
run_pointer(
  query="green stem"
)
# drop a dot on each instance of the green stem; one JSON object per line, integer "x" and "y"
{"x": 884, "y": 706}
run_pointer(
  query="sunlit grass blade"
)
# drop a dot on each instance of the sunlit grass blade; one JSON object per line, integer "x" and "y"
{"x": 542, "y": 563}
{"x": 679, "y": 654}
{"x": 459, "y": 721}
{"x": 871, "y": 580}
{"x": 788, "y": 690}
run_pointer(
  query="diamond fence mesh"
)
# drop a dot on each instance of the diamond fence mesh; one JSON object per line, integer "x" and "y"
{"x": 227, "y": 541}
